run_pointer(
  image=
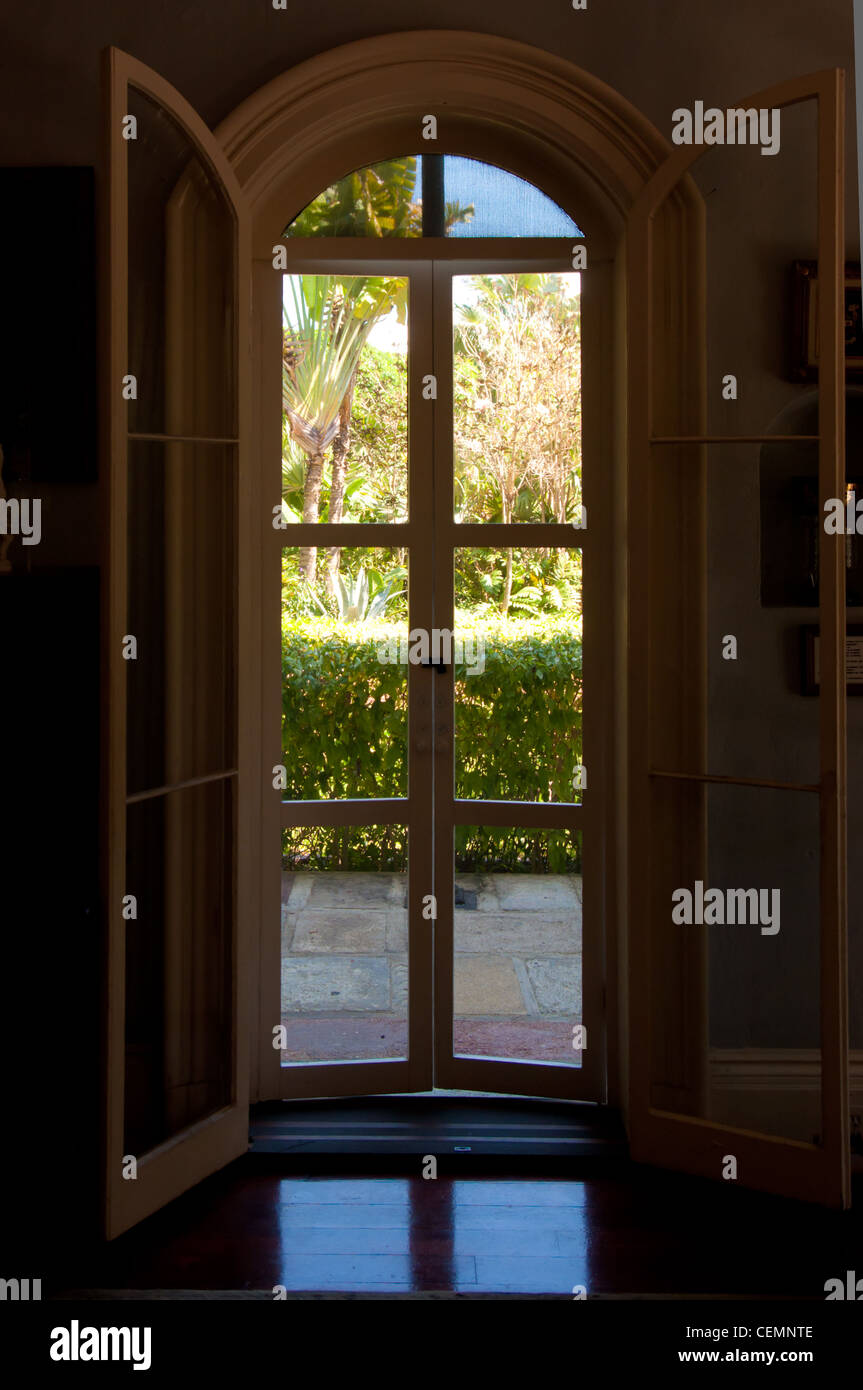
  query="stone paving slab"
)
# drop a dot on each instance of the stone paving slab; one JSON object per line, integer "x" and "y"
{"x": 296, "y": 888}
{"x": 289, "y": 925}
{"x": 506, "y": 892}
{"x": 345, "y": 939}
{"x": 399, "y": 986}
{"x": 536, "y": 892}
{"x": 556, "y": 985}
{"x": 341, "y": 931}
{"x": 356, "y": 889}
{"x": 483, "y": 886}
{"x": 397, "y": 930}
{"x": 486, "y": 985}
{"x": 518, "y": 933}
{"x": 335, "y": 983}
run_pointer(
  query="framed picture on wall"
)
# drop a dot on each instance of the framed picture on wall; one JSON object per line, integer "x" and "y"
{"x": 805, "y": 347}
{"x": 810, "y": 651}
{"x": 791, "y": 530}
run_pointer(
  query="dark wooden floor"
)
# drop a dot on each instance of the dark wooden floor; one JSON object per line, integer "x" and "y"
{"x": 615, "y": 1228}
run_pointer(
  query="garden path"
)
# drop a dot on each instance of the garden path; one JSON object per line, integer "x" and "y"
{"x": 518, "y": 956}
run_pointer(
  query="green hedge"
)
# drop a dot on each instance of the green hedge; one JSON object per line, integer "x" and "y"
{"x": 518, "y": 737}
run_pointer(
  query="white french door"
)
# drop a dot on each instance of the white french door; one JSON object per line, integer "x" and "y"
{"x": 177, "y": 760}
{"x": 490, "y": 993}
{"x": 557, "y": 1049}
{"x": 738, "y": 1032}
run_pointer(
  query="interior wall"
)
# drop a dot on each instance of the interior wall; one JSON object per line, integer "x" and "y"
{"x": 659, "y": 57}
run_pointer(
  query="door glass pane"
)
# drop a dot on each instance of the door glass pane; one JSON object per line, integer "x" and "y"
{"x": 344, "y": 943}
{"x": 754, "y": 553}
{"x": 181, "y": 283}
{"x": 518, "y": 944}
{"x": 179, "y": 961}
{"x": 760, "y": 210}
{"x": 501, "y": 204}
{"x": 517, "y": 397}
{"x": 181, "y": 681}
{"x": 518, "y": 674}
{"x": 734, "y": 918}
{"x": 344, "y": 398}
{"x": 345, "y": 663}
{"x": 760, "y": 308}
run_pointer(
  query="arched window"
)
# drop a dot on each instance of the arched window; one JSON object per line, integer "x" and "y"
{"x": 432, "y": 195}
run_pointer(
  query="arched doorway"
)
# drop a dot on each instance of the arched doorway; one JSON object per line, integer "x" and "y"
{"x": 385, "y": 984}
{"x": 589, "y": 151}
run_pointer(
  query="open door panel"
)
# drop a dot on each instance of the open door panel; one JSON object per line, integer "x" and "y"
{"x": 737, "y": 859}
{"x": 179, "y": 815}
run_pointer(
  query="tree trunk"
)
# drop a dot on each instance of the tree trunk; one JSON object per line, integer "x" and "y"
{"x": 506, "y": 517}
{"x": 311, "y": 507}
{"x": 341, "y": 444}
{"x": 507, "y": 588}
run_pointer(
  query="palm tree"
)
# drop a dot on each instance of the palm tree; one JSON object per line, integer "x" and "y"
{"x": 325, "y": 329}
{"x": 331, "y": 321}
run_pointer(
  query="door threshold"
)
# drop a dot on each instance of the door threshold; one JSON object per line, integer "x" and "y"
{"x": 452, "y": 1123}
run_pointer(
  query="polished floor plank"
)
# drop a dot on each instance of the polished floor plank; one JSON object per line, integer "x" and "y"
{"x": 523, "y": 1274}
{"x": 471, "y": 1217}
{"x": 376, "y": 1240}
{"x": 639, "y": 1231}
{"x": 537, "y": 1192}
{"x": 376, "y": 1271}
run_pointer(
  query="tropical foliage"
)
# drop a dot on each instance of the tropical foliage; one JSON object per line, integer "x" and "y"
{"x": 517, "y": 457}
{"x": 376, "y": 201}
{"x": 518, "y": 730}
{"x": 327, "y": 321}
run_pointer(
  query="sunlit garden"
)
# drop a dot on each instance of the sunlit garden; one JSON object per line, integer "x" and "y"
{"x": 516, "y": 456}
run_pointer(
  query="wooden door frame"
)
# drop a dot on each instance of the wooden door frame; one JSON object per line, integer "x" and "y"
{"x": 430, "y": 348}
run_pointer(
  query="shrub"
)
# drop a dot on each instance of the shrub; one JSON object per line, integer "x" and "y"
{"x": 517, "y": 737}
